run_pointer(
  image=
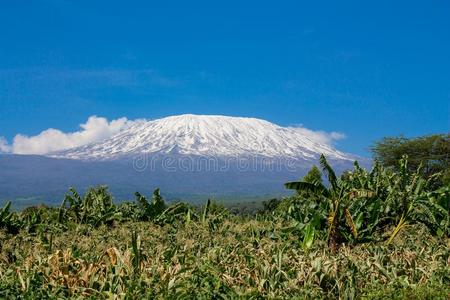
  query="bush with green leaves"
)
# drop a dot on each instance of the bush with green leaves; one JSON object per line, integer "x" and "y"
{"x": 8, "y": 219}
{"x": 150, "y": 210}
{"x": 95, "y": 208}
{"x": 360, "y": 205}
{"x": 333, "y": 202}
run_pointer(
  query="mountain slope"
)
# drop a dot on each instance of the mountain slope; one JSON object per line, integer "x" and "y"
{"x": 217, "y": 136}
{"x": 186, "y": 156}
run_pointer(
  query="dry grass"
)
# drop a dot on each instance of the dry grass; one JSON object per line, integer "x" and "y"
{"x": 239, "y": 259}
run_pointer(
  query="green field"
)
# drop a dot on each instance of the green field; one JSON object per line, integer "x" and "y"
{"x": 379, "y": 234}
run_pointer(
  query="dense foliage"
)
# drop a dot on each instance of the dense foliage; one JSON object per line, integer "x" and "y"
{"x": 361, "y": 205}
{"x": 387, "y": 231}
{"x": 432, "y": 152}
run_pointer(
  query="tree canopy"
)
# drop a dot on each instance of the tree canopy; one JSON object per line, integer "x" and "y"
{"x": 432, "y": 151}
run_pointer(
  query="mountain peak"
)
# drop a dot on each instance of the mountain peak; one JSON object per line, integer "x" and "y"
{"x": 208, "y": 135}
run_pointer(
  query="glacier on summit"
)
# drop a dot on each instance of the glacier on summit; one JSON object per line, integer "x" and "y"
{"x": 207, "y": 135}
{"x": 187, "y": 156}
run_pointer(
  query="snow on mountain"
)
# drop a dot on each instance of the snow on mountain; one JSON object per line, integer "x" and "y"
{"x": 206, "y": 135}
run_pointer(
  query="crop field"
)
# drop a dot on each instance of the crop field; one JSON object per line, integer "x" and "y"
{"x": 379, "y": 234}
{"x": 240, "y": 258}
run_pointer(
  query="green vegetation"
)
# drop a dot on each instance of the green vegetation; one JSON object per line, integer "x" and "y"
{"x": 383, "y": 233}
{"x": 432, "y": 152}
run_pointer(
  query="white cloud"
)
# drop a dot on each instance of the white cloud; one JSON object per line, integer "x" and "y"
{"x": 4, "y": 146}
{"x": 95, "y": 129}
{"x": 323, "y": 137}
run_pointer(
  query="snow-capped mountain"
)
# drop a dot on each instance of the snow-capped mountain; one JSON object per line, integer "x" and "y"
{"x": 206, "y": 135}
{"x": 170, "y": 154}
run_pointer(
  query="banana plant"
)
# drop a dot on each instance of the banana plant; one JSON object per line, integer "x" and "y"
{"x": 370, "y": 211}
{"x": 150, "y": 210}
{"x": 8, "y": 219}
{"x": 337, "y": 198}
{"x": 5, "y": 214}
{"x": 174, "y": 214}
{"x": 410, "y": 193}
{"x": 440, "y": 198}
{"x": 205, "y": 211}
{"x": 137, "y": 255}
{"x": 212, "y": 214}
{"x": 95, "y": 208}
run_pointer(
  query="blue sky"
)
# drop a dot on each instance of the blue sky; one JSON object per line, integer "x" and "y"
{"x": 367, "y": 70}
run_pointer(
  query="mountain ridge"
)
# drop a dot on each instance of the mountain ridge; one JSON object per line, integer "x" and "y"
{"x": 207, "y": 135}
{"x": 188, "y": 156}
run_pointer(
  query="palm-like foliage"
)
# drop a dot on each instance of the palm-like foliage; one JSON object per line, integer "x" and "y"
{"x": 150, "y": 210}
{"x": 95, "y": 208}
{"x": 441, "y": 199}
{"x": 5, "y": 215}
{"x": 371, "y": 210}
{"x": 366, "y": 202}
{"x": 409, "y": 192}
{"x": 337, "y": 198}
{"x": 39, "y": 219}
{"x": 8, "y": 219}
{"x": 213, "y": 214}
{"x": 174, "y": 214}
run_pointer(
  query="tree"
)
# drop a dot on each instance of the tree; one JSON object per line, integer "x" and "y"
{"x": 432, "y": 152}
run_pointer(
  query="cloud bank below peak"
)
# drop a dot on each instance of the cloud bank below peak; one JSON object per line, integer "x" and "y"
{"x": 99, "y": 128}
{"x": 50, "y": 140}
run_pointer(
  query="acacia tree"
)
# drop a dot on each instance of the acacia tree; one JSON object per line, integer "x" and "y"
{"x": 432, "y": 152}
